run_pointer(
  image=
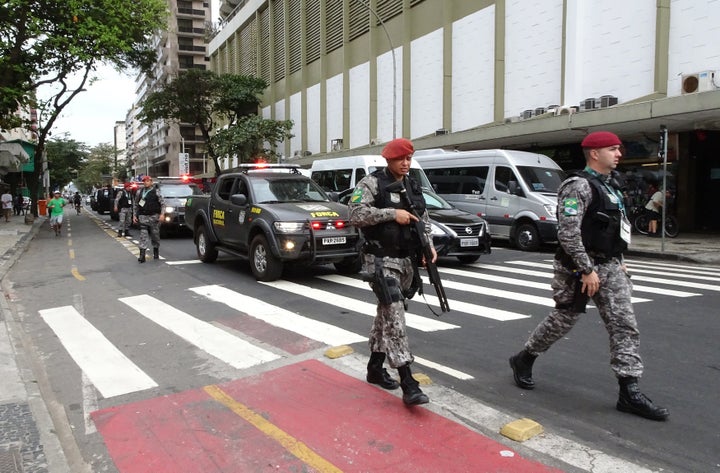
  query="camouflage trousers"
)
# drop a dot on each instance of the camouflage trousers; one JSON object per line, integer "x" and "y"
{"x": 613, "y": 301}
{"x": 149, "y": 231}
{"x": 388, "y": 334}
{"x": 125, "y": 217}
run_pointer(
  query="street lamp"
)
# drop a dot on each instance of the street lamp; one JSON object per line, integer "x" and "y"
{"x": 392, "y": 51}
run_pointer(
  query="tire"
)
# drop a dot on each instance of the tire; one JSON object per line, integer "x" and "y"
{"x": 349, "y": 265}
{"x": 641, "y": 224}
{"x": 527, "y": 237}
{"x": 264, "y": 265}
{"x": 468, "y": 259}
{"x": 671, "y": 227}
{"x": 206, "y": 251}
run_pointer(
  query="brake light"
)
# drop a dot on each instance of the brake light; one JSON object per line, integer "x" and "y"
{"x": 316, "y": 225}
{"x": 339, "y": 224}
{"x": 185, "y": 178}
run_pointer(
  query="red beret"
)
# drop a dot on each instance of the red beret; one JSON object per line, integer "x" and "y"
{"x": 600, "y": 139}
{"x": 127, "y": 184}
{"x": 398, "y": 148}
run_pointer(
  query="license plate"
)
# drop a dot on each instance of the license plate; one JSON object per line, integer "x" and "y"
{"x": 469, "y": 242}
{"x": 334, "y": 241}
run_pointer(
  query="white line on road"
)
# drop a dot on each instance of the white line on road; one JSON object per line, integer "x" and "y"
{"x": 460, "y": 306}
{"x": 111, "y": 372}
{"x": 279, "y": 317}
{"x": 233, "y": 350}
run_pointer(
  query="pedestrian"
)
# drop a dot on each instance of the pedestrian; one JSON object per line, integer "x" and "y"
{"x": 593, "y": 233}
{"x": 653, "y": 209}
{"x": 389, "y": 241}
{"x": 148, "y": 208}
{"x": 123, "y": 207}
{"x": 19, "y": 204}
{"x": 55, "y": 207}
{"x": 7, "y": 203}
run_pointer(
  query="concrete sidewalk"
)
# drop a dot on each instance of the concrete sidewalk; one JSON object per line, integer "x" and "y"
{"x": 29, "y": 442}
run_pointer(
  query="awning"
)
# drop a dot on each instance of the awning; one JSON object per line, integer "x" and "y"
{"x": 12, "y": 157}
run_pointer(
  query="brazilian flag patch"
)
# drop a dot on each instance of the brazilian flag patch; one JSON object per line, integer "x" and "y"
{"x": 570, "y": 207}
{"x": 356, "y": 196}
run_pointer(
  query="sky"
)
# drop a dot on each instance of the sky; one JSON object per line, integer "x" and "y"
{"x": 90, "y": 117}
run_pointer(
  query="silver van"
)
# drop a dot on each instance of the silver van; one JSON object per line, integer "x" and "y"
{"x": 339, "y": 174}
{"x": 514, "y": 191}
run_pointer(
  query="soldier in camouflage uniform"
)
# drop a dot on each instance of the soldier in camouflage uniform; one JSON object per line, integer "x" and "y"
{"x": 387, "y": 230}
{"x": 593, "y": 232}
{"x": 123, "y": 207}
{"x": 148, "y": 208}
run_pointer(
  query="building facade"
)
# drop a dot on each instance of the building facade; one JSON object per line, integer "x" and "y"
{"x": 458, "y": 74}
{"x": 154, "y": 148}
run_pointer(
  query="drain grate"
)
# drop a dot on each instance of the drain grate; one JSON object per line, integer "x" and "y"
{"x": 11, "y": 461}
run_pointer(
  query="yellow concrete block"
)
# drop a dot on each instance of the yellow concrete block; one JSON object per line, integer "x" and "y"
{"x": 521, "y": 429}
{"x": 337, "y": 352}
{"x": 423, "y": 379}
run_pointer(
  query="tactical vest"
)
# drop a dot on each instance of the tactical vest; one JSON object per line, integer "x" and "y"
{"x": 602, "y": 219}
{"x": 124, "y": 201}
{"x": 152, "y": 202}
{"x": 390, "y": 238}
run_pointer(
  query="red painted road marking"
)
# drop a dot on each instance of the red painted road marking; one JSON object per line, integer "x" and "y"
{"x": 340, "y": 420}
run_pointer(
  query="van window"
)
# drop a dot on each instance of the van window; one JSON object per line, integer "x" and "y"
{"x": 469, "y": 180}
{"x": 359, "y": 174}
{"x": 542, "y": 179}
{"x": 333, "y": 180}
{"x": 503, "y": 176}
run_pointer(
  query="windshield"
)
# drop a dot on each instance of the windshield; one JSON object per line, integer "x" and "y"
{"x": 179, "y": 190}
{"x": 542, "y": 179}
{"x": 287, "y": 190}
{"x": 434, "y": 201}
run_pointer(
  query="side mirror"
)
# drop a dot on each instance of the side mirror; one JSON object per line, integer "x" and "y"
{"x": 333, "y": 196}
{"x": 514, "y": 188}
{"x": 238, "y": 199}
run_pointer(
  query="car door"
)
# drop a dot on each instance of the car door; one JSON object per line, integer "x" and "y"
{"x": 222, "y": 212}
{"x": 501, "y": 203}
{"x": 238, "y": 227}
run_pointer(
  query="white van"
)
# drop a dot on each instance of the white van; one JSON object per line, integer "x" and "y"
{"x": 340, "y": 174}
{"x": 514, "y": 191}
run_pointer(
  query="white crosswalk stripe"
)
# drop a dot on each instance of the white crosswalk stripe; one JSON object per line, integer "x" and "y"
{"x": 111, "y": 372}
{"x": 233, "y": 350}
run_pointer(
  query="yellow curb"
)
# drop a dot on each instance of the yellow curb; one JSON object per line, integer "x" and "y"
{"x": 337, "y": 352}
{"x": 521, "y": 429}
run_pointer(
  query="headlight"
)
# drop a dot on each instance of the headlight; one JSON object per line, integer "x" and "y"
{"x": 169, "y": 210}
{"x": 551, "y": 209}
{"x": 289, "y": 227}
{"x": 438, "y": 230}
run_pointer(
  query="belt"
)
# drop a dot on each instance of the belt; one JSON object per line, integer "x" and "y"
{"x": 389, "y": 252}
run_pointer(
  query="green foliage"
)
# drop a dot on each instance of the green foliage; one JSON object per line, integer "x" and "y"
{"x": 99, "y": 163}
{"x": 66, "y": 158}
{"x": 252, "y": 137}
{"x": 204, "y": 99}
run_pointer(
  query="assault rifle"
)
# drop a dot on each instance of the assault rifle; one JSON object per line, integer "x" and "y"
{"x": 399, "y": 188}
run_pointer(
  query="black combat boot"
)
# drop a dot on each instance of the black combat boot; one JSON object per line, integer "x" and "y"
{"x": 156, "y": 253}
{"x": 141, "y": 258}
{"x": 376, "y": 374}
{"x": 120, "y": 233}
{"x": 412, "y": 395}
{"x": 633, "y": 401}
{"x": 521, "y": 365}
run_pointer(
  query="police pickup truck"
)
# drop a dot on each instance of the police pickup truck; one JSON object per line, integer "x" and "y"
{"x": 272, "y": 215}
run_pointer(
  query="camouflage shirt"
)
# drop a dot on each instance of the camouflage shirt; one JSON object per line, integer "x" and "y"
{"x": 363, "y": 213}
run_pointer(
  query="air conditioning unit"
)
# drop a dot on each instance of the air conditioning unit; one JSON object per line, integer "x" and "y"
{"x": 527, "y": 114}
{"x": 566, "y": 110}
{"x": 608, "y": 101}
{"x": 512, "y": 120}
{"x": 539, "y": 111}
{"x": 698, "y": 82}
{"x": 441, "y": 131}
{"x": 589, "y": 104}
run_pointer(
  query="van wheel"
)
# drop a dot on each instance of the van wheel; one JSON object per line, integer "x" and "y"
{"x": 265, "y": 266}
{"x": 206, "y": 251}
{"x": 527, "y": 238}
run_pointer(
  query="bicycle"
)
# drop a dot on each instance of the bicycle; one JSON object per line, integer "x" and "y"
{"x": 670, "y": 225}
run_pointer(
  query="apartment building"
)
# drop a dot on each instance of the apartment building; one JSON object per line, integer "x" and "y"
{"x": 154, "y": 148}
{"x": 458, "y": 74}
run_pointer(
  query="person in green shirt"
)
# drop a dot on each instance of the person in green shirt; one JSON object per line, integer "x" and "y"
{"x": 56, "y": 205}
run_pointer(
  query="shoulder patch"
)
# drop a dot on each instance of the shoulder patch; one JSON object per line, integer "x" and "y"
{"x": 570, "y": 207}
{"x": 356, "y": 195}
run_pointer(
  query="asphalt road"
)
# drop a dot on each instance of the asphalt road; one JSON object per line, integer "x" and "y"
{"x": 497, "y": 302}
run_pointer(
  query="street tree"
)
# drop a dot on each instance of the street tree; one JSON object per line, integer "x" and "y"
{"x": 97, "y": 168}
{"x": 58, "y": 44}
{"x": 66, "y": 158}
{"x": 207, "y": 100}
